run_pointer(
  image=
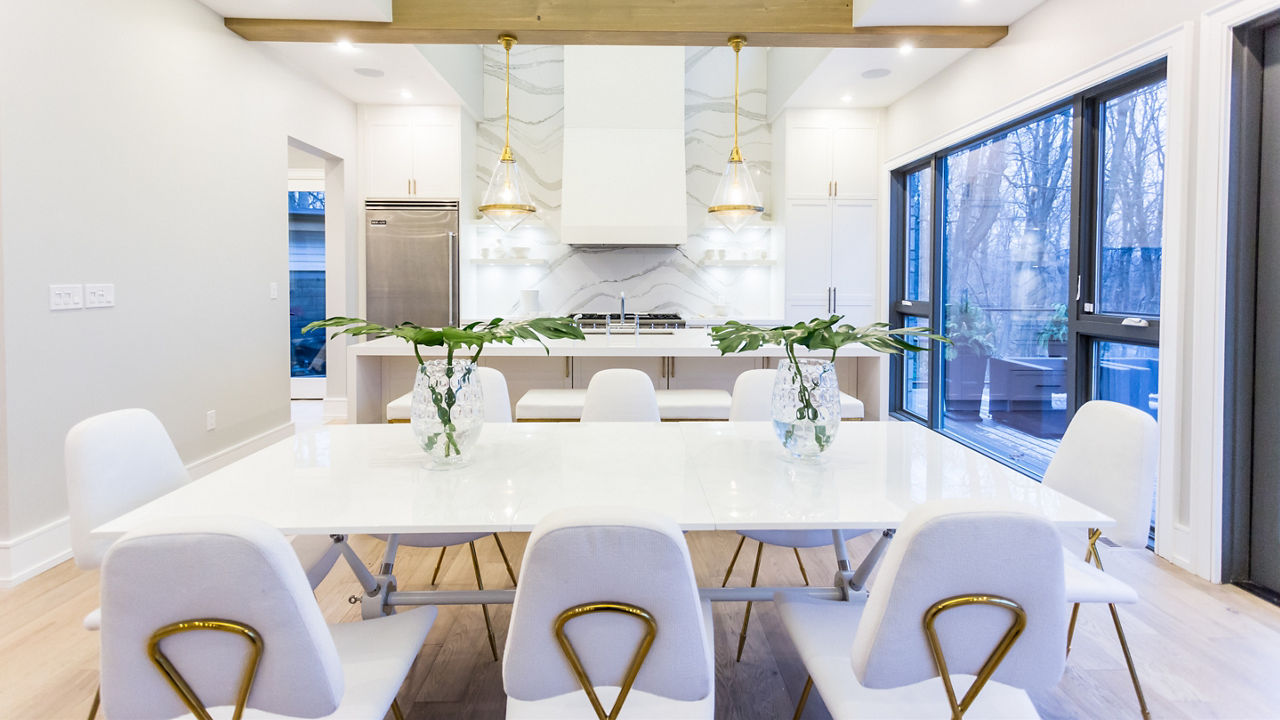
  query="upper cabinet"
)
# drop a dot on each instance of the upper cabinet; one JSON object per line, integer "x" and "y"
{"x": 830, "y": 153}
{"x": 412, "y": 152}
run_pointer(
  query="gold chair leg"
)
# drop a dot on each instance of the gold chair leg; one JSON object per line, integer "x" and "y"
{"x": 439, "y": 562}
{"x": 97, "y": 700}
{"x": 800, "y": 562}
{"x": 733, "y": 561}
{"x": 1128, "y": 659}
{"x": 804, "y": 697}
{"x": 742, "y": 638}
{"x": 488, "y": 626}
{"x": 395, "y": 709}
{"x": 503, "y": 552}
{"x": 1071, "y": 628}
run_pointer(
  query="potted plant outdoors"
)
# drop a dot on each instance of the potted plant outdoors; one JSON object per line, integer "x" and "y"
{"x": 447, "y": 409}
{"x": 1052, "y": 338}
{"x": 972, "y": 343}
{"x": 806, "y": 394}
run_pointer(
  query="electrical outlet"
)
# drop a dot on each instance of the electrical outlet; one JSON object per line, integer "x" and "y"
{"x": 100, "y": 295}
{"x": 66, "y": 297}
{"x": 211, "y": 420}
{"x": 274, "y": 290}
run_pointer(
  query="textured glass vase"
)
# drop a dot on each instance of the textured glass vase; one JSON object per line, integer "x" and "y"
{"x": 806, "y": 407}
{"x": 447, "y": 411}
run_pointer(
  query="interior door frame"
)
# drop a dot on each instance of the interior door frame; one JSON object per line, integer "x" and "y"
{"x": 1240, "y": 319}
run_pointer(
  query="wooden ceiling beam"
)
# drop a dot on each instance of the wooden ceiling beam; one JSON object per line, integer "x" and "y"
{"x": 765, "y": 23}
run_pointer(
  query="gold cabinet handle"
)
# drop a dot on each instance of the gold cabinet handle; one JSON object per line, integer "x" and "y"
{"x": 672, "y": 362}
{"x": 408, "y": 187}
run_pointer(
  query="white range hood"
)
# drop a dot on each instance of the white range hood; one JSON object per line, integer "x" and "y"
{"x": 624, "y": 166}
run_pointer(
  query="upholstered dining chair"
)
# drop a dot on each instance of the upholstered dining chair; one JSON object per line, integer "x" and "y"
{"x": 216, "y": 613}
{"x": 121, "y": 460}
{"x": 497, "y": 409}
{"x": 620, "y": 395}
{"x": 607, "y": 621}
{"x": 752, "y": 394}
{"x": 1108, "y": 460}
{"x": 965, "y": 616}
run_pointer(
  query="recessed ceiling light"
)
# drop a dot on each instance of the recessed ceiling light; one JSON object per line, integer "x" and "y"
{"x": 906, "y": 47}
{"x": 370, "y": 72}
{"x": 346, "y": 46}
{"x": 406, "y": 94}
{"x": 846, "y": 98}
{"x": 875, "y": 73}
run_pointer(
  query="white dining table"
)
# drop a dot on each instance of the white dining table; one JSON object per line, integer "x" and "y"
{"x": 347, "y": 479}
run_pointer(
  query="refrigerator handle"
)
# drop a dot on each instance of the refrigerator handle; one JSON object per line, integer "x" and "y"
{"x": 454, "y": 281}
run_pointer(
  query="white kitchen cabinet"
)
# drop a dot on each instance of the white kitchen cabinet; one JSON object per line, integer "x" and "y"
{"x": 831, "y": 154}
{"x": 412, "y": 151}
{"x": 713, "y": 373}
{"x": 831, "y": 259}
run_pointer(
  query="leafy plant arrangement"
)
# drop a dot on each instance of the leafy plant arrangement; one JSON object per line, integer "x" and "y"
{"x": 969, "y": 329}
{"x": 1054, "y": 330}
{"x": 454, "y": 339}
{"x": 818, "y": 334}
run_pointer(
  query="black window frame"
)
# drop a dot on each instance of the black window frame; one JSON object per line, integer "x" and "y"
{"x": 1084, "y": 329}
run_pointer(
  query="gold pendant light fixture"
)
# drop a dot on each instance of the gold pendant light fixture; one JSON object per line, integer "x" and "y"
{"x": 736, "y": 201}
{"x": 506, "y": 201}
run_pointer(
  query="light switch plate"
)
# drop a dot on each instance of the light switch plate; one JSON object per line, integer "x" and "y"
{"x": 100, "y": 295}
{"x": 66, "y": 297}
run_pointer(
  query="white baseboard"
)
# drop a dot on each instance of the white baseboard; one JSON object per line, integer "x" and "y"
{"x": 226, "y": 456}
{"x": 335, "y": 408}
{"x": 32, "y": 553}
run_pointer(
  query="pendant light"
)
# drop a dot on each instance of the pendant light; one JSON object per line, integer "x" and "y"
{"x": 506, "y": 201}
{"x": 736, "y": 201}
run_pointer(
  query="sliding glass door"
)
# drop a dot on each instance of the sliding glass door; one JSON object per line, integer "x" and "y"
{"x": 1036, "y": 248}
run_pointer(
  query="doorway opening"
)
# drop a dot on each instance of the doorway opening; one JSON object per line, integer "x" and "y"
{"x": 306, "y": 204}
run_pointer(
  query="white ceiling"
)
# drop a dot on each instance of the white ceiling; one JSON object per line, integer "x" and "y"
{"x": 940, "y": 12}
{"x": 403, "y": 68}
{"x": 371, "y": 10}
{"x": 839, "y": 75}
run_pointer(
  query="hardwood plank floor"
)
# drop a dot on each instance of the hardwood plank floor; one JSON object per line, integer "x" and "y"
{"x": 1203, "y": 650}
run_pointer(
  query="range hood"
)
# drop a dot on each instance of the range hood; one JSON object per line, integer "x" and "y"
{"x": 624, "y": 165}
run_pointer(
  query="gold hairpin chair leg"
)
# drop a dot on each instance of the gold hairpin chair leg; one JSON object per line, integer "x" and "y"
{"x": 503, "y": 552}
{"x": 733, "y": 561}
{"x": 804, "y": 697}
{"x": 180, "y": 685}
{"x": 650, "y": 631}
{"x": 1092, "y": 555}
{"x": 488, "y": 626}
{"x": 97, "y": 700}
{"x": 395, "y": 709}
{"x": 960, "y": 707}
{"x": 746, "y": 619}
{"x": 439, "y": 561}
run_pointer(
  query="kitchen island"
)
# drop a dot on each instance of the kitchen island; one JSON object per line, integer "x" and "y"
{"x": 381, "y": 370}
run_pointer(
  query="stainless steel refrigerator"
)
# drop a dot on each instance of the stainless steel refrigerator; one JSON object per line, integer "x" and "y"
{"x": 411, "y": 262}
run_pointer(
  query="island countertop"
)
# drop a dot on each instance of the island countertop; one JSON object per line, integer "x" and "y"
{"x": 692, "y": 342}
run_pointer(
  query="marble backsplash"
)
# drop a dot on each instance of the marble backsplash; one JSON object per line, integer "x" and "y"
{"x": 713, "y": 274}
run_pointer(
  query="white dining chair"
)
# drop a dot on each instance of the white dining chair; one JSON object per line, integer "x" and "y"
{"x": 752, "y": 402}
{"x": 965, "y": 617}
{"x": 497, "y": 409}
{"x": 620, "y": 395}
{"x": 607, "y": 615}
{"x": 1108, "y": 460}
{"x": 121, "y": 460}
{"x": 216, "y": 613}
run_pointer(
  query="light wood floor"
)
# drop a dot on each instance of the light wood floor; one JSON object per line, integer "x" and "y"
{"x": 1204, "y": 651}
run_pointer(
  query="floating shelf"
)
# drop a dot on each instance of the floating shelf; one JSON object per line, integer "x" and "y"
{"x": 509, "y": 261}
{"x": 750, "y": 262}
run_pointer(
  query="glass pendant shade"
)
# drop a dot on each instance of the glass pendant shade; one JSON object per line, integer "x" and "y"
{"x": 736, "y": 201}
{"x": 506, "y": 202}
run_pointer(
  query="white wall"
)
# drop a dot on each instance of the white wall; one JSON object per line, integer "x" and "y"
{"x": 144, "y": 145}
{"x": 1065, "y": 46}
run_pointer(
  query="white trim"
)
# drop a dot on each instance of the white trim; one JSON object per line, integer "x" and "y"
{"x": 228, "y": 455}
{"x": 307, "y": 388}
{"x": 1187, "y": 544}
{"x": 32, "y": 553}
{"x": 335, "y": 408}
{"x": 1206, "y": 417}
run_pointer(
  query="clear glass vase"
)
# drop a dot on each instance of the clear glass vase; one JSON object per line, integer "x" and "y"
{"x": 447, "y": 411}
{"x": 806, "y": 407}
